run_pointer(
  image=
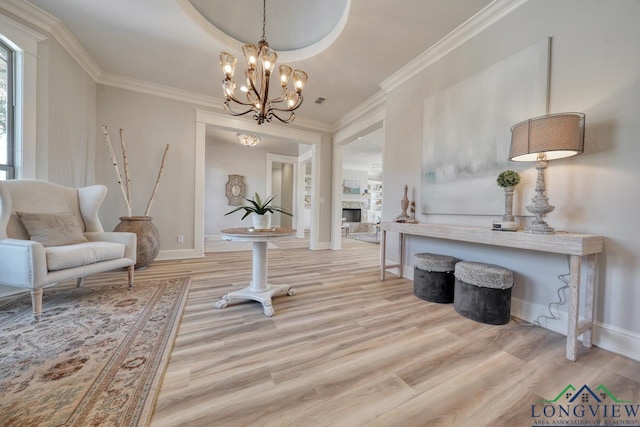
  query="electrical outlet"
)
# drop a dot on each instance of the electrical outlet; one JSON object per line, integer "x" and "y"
{"x": 180, "y": 238}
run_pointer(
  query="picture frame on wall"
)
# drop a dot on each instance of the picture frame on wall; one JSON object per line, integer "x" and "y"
{"x": 350, "y": 186}
{"x": 235, "y": 190}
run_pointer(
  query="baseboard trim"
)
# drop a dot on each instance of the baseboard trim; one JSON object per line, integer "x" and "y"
{"x": 178, "y": 254}
{"x": 607, "y": 337}
{"x": 321, "y": 246}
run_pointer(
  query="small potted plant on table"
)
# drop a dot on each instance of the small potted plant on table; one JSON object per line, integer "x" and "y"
{"x": 261, "y": 211}
{"x": 508, "y": 180}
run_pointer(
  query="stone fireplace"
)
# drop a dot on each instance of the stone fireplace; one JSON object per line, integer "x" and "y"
{"x": 352, "y": 214}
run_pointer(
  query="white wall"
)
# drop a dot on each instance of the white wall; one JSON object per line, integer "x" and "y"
{"x": 594, "y": 69}
{"x": 57, "y": 108}
{"x": 224, "y": 159}
{"x": 285, "y": 200}
{"x": 276, "y": 188}
{"x": 325, "y": 168}
{"x": 67, "y": 118}
{"x": 149, "y": 123}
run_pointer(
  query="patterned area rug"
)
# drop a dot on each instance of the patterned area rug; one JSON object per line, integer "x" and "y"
{"x": 96, "y": 357}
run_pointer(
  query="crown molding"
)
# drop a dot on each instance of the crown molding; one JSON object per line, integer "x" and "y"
{"x": 27, "y": 40}
{"x": 76, "y": 50}
{"x": 141, "y": 86}
{"x": 482, "y": 20}
{"x": 369, "y": 119}
{"x": 155, "y": 89}
{"x": 30, "y": 13}
{"x": 311, "y": 125}
{"x": 372, "y": 106}
{"x": 48, "y": 23}
{"x": 44, "y": 21}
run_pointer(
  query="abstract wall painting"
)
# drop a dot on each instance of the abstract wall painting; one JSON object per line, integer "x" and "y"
{"x": 466, "y": 135}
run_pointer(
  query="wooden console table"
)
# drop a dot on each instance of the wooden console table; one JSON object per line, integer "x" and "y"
{"x": 577, "y": 246}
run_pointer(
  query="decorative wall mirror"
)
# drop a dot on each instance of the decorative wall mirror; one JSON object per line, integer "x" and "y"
{"x": 236, "y": 190}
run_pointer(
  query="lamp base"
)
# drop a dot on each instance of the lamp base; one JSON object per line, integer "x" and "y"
{"x": 540, "y": 204}
{"x": 539, "y": 228}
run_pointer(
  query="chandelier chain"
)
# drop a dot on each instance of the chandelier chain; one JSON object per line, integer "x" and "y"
{"x": 264, "y": 19}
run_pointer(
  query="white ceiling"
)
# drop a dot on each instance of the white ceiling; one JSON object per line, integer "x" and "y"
{"x": 292, "y": 26}
{"x": 348, "y": 47}
{"x": 365, "y": 153}
{"x": 157, "y": 41}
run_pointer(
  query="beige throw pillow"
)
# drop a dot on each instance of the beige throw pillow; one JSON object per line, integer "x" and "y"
{"x": 53, "y": 229}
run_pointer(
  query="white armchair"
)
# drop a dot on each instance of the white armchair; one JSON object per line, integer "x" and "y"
{"x": 50, "y": 233}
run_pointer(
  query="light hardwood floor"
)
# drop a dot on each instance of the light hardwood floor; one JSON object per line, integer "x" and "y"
{"x": 350, "y": 350}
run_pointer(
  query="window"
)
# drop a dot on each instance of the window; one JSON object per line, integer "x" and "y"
{"x": 7, "y": 143}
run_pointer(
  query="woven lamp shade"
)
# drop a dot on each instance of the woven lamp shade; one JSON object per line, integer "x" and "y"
{"x": 554, "y": 136}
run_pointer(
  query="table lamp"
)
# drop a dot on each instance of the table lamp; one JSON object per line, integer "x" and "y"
{"x": 543, "y": 138}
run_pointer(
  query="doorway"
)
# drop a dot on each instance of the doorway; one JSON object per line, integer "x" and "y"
{"x": 357, "y": 183}
{"x": 210, "y": 120}
{"x": 282, "y": 183}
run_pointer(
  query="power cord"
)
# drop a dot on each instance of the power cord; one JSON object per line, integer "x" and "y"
{"x": 561, "y": 299}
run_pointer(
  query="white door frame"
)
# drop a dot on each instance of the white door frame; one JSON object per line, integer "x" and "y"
{"x": 291, "y": 160}
{"x": 342, "y": 138}
{"x": 225, "y": 121}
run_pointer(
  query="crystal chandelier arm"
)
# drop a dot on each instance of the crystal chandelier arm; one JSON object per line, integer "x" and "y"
{"x": 229, "y": 110}
{"x": 252, "y": 84}
{"x": 289, "y": 119}
{"x": 282, "y": 96}
{"x": 230, "y": 94}
{"x": 227, "y": 105}
{"x": 264, "y": 98}
{"x": 294, "y": 107}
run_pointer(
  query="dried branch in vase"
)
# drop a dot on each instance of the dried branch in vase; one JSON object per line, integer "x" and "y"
{"x": 125, "y": 184}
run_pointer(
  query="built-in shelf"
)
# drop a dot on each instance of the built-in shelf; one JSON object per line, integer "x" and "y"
{"x": 375, "y": 201}
{"x": 307, "y": 192}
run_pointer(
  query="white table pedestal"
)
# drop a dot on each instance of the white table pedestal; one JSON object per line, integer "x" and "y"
{"x": 259, "y": 289}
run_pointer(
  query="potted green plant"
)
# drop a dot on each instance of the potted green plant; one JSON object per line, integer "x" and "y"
{"x": 508, "y": 180}
{"x": 261, "y": 211}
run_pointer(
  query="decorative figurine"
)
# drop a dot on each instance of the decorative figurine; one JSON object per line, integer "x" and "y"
{"x": 404, "y": 203}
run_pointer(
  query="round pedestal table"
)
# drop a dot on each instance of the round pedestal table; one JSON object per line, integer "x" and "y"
{"x": 259, "y": 289}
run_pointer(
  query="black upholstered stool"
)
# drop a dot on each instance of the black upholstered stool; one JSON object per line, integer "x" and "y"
{"x": 433, "y": 277}
{"x": 483, "y": 292}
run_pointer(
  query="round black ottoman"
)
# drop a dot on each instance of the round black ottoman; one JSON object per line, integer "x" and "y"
{"x": 483, "y": 292}
{"x": 433, "y": 277}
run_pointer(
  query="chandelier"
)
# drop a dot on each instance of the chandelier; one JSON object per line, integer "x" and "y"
{"x": 248, "y": 139}
{"x": 261, "y": 62}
